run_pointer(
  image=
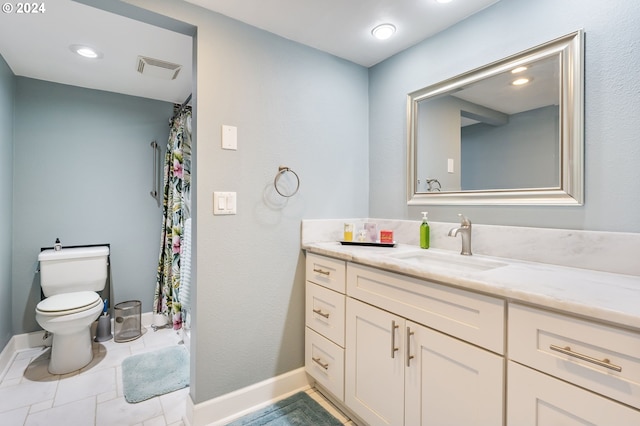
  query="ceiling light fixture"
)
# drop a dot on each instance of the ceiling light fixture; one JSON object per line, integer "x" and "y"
{"x": 443, "y": 1}
{"x": 518, "y": 69}
{"x": 383, "y": 31}
{"x": 520, "y": 81}
{"x": 85, "y": 51}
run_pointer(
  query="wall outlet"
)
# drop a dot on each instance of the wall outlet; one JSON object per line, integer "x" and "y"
{"x": 229, "y": 137}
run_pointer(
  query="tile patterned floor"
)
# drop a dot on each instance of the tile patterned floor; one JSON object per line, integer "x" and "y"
{"x": 30, "y": 396}
{"x": 92, "y": 396}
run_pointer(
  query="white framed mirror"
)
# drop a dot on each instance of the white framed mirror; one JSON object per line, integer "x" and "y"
{"x": 481, "y": 138}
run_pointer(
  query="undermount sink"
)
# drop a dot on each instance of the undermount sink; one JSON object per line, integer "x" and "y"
{"x": 455, "y": 262}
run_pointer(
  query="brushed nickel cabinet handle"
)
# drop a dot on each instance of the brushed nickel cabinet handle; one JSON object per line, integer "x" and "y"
{"x": 320, "y": 363}
{"x": 320, "y": 271}
{"x": 409, "y": 356}
{"x": 322, "y": 314}
{"x": 393, "y": 339}
{"x": 606, "y": 363}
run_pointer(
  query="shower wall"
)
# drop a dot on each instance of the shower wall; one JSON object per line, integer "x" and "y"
{"x": 7, "y": 86}
{"x": 82, "y": 173}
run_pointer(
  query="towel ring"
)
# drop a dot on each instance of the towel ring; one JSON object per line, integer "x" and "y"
{"x": 432, "y": 188}
{"x": 281, "y": 171}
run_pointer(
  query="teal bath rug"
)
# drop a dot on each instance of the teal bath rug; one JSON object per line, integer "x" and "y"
{"x": 155, "y": 373}
{"x": 297, "y": 410}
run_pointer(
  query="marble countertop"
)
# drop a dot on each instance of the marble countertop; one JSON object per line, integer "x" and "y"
{"x": 608, "y": 297}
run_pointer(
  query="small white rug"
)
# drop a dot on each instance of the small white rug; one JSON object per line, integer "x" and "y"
{"x": 155, "y": 373}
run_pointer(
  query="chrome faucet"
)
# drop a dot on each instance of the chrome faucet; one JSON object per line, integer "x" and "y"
{"x": 465, "y": 231}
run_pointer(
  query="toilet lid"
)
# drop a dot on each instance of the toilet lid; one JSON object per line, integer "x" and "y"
{"x": 69, "y": 301}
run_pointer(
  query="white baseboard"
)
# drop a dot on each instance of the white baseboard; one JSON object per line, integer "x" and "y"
{"x": 20, "y": 342}
{"x": 226, "y": 408}
{"x": 6, "y": 357}
{"x": 146, "y": 319}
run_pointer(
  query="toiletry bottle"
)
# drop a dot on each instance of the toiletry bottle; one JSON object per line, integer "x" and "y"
{"x": 348, "y": 232}
{"x": 424, "y": 232}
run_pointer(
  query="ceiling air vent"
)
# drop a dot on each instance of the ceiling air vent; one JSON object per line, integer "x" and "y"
{"x": 157, "y": 68}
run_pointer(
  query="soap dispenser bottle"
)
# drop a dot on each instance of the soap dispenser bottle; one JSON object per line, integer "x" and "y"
{"x": 424, "y": 232}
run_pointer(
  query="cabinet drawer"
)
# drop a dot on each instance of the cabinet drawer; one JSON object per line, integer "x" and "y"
{"x": 324, "y": 361}
{"x": 325, "y": 312}
{"x": 326, "y": 272}
{"x": 595, "y": 356}
{"x": 473, "y": 317}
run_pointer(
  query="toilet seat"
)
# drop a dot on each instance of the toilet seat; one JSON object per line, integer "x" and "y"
{"x": 68, "y": 303}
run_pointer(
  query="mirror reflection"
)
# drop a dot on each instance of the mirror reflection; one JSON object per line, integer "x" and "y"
{"x": 509, "y": 132}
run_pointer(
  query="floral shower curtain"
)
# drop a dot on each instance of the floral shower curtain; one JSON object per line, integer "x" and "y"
{"x": 175, "y": 210}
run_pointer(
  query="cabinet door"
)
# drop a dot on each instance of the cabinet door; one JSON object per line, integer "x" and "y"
{"x": 450, "y": 382}
{"x": 535, "y": 399}
{"x": 374, "y": 368}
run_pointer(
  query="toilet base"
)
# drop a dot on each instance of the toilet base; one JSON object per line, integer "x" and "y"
{"x": 70, "y": 352}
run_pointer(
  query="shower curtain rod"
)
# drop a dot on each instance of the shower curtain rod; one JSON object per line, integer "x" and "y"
{"x": 177, "y": 108}
{"x": 184, "y": 104}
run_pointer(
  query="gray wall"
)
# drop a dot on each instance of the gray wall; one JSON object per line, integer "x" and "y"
{"x": 293, "y": 106}
{"x": 7, "y": 88}
{"x": 83, "y": 170}
{"x": 612, "y": 155}
{"x": 522, "y": 153}
{"x": 438, "y": 140}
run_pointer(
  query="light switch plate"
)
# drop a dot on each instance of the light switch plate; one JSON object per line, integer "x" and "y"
{"x": 229, "y": 137}
{"x": 450, "y": 165}
{"x": 224, "y": 203}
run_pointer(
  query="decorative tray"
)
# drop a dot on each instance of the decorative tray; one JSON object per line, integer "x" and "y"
{"x": 364, "y": 243}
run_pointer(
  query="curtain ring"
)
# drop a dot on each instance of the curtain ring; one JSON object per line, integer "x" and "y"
{"x": 281, "y": 171}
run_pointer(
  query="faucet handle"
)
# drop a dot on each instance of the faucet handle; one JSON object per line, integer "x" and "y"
{"x": 464, "y": 221}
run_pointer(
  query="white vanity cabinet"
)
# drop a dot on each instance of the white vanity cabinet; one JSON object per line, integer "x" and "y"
{"x": 398, "y": 350}
{"x": 324, "y": 319}
{"x": 400, "y": 372}
{"x": 570, "y": 371}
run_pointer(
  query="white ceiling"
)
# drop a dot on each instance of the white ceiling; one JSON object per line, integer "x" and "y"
{"x": 37, "y": 46}
{"x": 499, "y": 94}
{"x": 343, "y": 27}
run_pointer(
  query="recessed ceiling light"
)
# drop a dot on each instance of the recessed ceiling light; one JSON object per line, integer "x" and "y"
{"x": 443, "y": 1}
{"x": 85, "y": 51}
{"x": 520, "y": 81}
{"x": 383, "y": 31}
{"x": 518, "y": 69}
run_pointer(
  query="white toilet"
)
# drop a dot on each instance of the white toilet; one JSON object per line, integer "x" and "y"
{"x": 69, "y": 279}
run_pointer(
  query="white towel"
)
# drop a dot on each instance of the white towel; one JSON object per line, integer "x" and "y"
{"x": 185, "y": 267}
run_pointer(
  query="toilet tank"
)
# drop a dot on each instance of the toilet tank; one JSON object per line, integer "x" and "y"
{"x": 73, "y": 269}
